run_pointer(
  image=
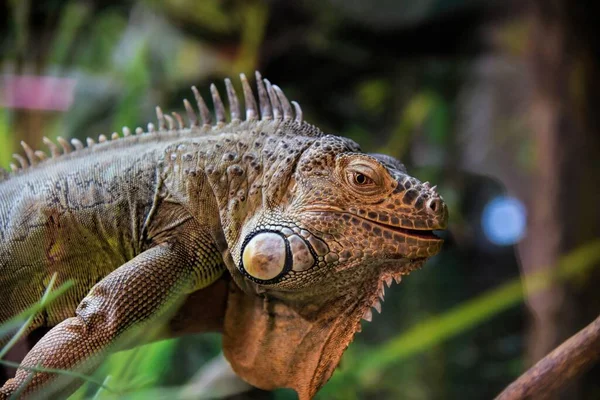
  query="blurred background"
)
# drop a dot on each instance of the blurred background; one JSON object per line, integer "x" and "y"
{"x": 493, "y": 101}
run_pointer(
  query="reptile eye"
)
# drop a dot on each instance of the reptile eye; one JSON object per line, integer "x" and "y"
{"x": 361, "y": 179}
{"x": 363, "y": 176}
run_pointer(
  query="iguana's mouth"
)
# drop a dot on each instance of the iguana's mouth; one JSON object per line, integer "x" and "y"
{"x": 422, "y": 234}
{"x": 428, "y": 235}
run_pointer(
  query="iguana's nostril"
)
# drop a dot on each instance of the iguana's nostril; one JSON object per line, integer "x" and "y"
{"x": 434, "y": 205}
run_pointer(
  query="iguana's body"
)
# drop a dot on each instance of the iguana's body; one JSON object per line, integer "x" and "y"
{"x": 142, "y": 221}
{"x": 85, "y": 214}
{"x": 80, "y": 217}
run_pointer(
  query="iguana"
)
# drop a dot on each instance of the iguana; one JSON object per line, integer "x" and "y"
{"x": 307, "y": 226}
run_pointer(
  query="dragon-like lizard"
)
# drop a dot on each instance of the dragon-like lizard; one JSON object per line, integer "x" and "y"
{"x": 308, "y": 227}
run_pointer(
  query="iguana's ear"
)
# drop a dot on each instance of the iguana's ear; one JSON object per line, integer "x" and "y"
{"x": 271, "y": 344}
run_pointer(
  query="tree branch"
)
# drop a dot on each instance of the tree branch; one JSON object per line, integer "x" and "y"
{"x": 567, "y": 361}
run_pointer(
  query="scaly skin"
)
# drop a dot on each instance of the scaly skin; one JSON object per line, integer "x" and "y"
{"x": 307, "y": 225}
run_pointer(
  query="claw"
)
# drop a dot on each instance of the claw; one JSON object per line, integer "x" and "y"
{"x": 368, "y": 315}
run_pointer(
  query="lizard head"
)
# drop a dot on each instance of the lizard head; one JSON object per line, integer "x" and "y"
{"x": 343, "y": 213}
{"x": 317, "y": 262}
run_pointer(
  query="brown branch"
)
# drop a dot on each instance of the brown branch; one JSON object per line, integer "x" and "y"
{"x": 567, "y": 361}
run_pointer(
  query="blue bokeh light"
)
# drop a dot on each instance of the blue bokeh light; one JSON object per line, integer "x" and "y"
{"x": 504, "y": 220}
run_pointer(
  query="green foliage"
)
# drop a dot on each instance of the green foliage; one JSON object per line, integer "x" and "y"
{"x": 6, "y": 149}
{"x": 73, "y": 18}
{"x": 416, "y": 112}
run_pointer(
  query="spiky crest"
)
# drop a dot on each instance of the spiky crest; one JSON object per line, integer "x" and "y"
{"x": 272, "y": 105}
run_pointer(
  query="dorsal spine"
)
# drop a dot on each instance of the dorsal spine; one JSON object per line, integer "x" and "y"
{"x": 272, "y": 105}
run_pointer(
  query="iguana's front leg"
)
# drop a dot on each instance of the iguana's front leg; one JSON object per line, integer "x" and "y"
{"x": 135, "y": 293}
